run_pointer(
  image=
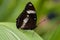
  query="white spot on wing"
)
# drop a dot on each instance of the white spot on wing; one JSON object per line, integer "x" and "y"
{"x": 31, "y": 12}
{"x": 30, "y": 4}
{"x": 34, "y": 18}
{"x": 27, "y": 15}
{"x": 24, "y": 22}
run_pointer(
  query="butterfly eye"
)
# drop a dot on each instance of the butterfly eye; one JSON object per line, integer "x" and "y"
{"x": 27, "y": 15}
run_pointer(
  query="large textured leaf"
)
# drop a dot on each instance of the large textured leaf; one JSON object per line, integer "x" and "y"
{"x": 8, "y": 31}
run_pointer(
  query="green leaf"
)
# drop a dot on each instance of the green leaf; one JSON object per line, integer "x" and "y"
{"x": 8, "y": 31}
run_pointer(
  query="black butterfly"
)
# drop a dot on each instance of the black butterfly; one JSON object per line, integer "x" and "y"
{"x": 27, "y": 19}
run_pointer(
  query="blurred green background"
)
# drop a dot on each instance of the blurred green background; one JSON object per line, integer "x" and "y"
{"x": 11, "y": 9}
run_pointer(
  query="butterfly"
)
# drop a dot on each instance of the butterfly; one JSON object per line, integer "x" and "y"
{"x": 27, "y": 19}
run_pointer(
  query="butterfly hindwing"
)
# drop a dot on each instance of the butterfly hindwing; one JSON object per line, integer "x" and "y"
{"x": 27, "y": 19}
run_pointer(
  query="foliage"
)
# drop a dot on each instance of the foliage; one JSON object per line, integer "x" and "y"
{"x": 11, "y": 9}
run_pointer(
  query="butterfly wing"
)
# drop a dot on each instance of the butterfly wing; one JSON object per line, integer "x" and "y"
{"x": 27, "y": 19}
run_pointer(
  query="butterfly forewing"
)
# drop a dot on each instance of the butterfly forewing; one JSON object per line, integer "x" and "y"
{"x": 27, "y": 19}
